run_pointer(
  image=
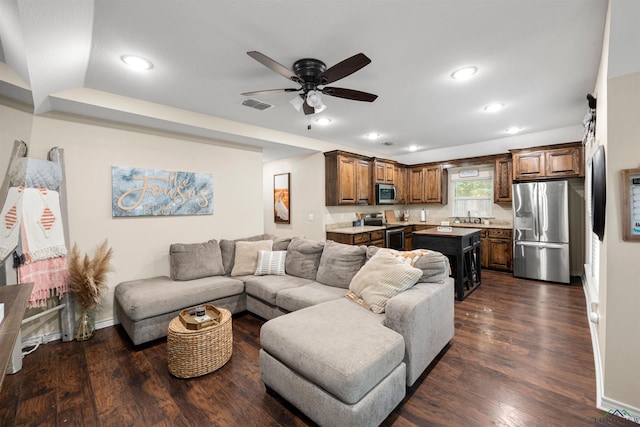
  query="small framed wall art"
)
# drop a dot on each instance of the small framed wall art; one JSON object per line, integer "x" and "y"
{"x": 631, "y": 204}
{"x": 282, "y": 198}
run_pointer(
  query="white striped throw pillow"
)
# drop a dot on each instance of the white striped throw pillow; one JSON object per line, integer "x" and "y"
{"x": 271, "y": 262}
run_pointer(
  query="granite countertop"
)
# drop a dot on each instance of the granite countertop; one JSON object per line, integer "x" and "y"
{"x": 358, "y": 229}
{"x": 368, "y": 228}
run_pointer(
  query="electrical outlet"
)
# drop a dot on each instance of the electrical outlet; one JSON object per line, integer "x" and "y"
{"x": 310, "y": 217}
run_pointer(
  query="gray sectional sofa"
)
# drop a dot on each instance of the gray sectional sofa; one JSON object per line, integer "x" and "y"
{"x": 341, "y": 361}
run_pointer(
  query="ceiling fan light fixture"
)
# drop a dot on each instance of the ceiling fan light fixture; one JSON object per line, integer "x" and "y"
{"x": 319, "y": 109}
{"x": 297, "y": 102}
{"x": 314, "y": 100}
{"x": 137, "y": 62}
{"x": 464, "y": 73}
{"x": 323, "y": 121}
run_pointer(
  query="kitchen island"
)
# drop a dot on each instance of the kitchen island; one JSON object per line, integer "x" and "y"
{"x": 462, "y": 247}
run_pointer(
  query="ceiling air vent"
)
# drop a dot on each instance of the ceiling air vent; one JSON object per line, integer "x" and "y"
{"x": 258, "y": 105}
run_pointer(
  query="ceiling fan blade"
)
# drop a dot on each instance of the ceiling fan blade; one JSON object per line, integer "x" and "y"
{"x": 343, "y": 69}
{"x": 258, "y": 92}
{"x": 355, "y": 95}
{"x": 308, "y": 109}
{"x": 273, "y": 65}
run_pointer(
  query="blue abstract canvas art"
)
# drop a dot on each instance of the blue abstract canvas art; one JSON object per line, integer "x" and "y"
{"x": 152, "y": 192}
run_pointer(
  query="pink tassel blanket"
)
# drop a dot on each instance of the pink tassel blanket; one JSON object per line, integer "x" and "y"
{"x": 50, "y": 278}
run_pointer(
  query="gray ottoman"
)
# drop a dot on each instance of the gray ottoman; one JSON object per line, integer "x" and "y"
{"x": 336, "y": 362}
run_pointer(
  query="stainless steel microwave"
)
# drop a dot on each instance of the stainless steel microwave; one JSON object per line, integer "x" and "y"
{"x": 386, "y": 194}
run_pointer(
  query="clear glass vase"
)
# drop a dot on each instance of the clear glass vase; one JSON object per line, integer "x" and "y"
{"x": 85, "y": 326}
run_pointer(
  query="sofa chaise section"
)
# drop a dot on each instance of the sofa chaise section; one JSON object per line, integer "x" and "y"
{"x": 146, "y": 306}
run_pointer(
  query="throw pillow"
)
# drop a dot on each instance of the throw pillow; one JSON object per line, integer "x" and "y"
{"x": 228, "y": 249}
{"x": 303, "y": 258}
{"x": 434, "y": 265}
{"x": 270, "y": 263}
{"x": 246, "y": 259}
{"x": 195, "y": 260}
{"x": 382, "y": 278}
{"x": 339, "y": 263}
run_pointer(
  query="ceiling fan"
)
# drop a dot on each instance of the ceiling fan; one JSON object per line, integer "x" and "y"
{"x": 310, "y": 74}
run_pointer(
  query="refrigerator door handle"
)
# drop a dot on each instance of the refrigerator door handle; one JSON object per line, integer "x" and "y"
{"x": 541, "y": 245}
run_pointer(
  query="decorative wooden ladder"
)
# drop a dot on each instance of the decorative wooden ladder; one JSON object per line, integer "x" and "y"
{"x": 67, "y": 314}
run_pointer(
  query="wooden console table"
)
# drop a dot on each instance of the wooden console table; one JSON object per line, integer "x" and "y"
{"x": 462, "y": 247}
{"x": 15, "y": 299}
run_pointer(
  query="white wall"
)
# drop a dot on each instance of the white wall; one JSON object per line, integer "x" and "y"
{"x": 306, "y": 194}
{"x": 140, "y": 244}
{"x": 618, "y": 130}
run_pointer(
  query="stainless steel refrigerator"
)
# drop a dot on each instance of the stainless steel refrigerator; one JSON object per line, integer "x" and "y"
{"x": 541, "y": 231}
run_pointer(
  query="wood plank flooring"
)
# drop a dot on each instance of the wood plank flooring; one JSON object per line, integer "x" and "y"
{"x": 521, "y": 356}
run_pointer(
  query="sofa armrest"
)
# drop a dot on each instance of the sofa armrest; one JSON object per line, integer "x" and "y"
{"x": 424, "y": 316}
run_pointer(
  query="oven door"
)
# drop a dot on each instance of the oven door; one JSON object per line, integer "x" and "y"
{"x": 394, "y": 239}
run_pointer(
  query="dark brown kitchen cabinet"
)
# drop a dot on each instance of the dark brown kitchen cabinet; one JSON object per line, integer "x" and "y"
{"x": 503, "y": 180}
{"x": 497, "y": 249}
{"x": 427, "y": 184}
{"x": 368, "y": 238}
{"x": 416, "y": 177}
{"x": 384, "y": 172}
{"x": 556, "y": 161}
{"x": 347, "y": 179}
{"x": 435, "y": 184}
{"x": 401, "y": 184}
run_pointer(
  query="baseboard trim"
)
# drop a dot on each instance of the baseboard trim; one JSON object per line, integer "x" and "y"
{"x": 53, "y": 336}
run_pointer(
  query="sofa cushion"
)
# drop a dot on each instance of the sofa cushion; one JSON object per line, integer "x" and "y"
{"x": 146, "y": 298}
{"x": 195, "y": 260}
{"x": 338, "y": 345}
{"x": 303, "y": 258}
{"x": 228, "y": 249}
{"x": 293, "y": 299}
{"x": 281, "y": 243}
{"x": 434, "y": 265}
{"x": 339, "y": 263}
{"x": 246, "y": 258}
{"x": 270, "y": 263}
{"x": 266, "y": 288}
{"x": 383, "y": 277}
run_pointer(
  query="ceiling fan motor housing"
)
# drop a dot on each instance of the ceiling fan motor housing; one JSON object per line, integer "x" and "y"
{"x": 308, "y": 69}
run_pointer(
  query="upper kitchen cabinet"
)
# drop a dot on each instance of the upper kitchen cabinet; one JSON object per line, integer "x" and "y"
{"x": 435, "y": 184}
{"x": 400, "y": 175}
{"x": 347, "y": 179}
{"x": 384, "y": 171}
{"x": 502, "y": 180}
{"x": 427, "y": 184}
{"x": 554, "y": 161}
{"x": 415, "y": 176}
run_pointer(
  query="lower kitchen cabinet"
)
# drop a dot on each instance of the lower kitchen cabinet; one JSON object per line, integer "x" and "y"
{"x": 369, "y": 238}
{"x": 497, "y": 249}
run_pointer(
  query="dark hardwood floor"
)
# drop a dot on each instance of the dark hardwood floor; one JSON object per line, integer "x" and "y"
{"x": 521, "y": 356}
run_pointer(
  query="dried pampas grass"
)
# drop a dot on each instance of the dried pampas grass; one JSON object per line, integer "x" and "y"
{"x": 88, "y": 277}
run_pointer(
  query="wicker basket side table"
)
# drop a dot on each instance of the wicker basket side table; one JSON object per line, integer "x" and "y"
{"x": 191, "y": 353}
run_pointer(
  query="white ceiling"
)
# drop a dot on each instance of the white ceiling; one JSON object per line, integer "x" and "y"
{"x": 538, "y": 57}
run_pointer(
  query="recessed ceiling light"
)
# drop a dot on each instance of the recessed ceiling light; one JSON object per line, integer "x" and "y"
{"x": 323, "y": 121}
{"x": 464, "y": 73}
{"x": 513, "y": 130}
{"x": 372, "y": 135}
{"x": 492, "y": 108}
{"x": 137, "y": 62}
{"x": 412, "y": 148}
